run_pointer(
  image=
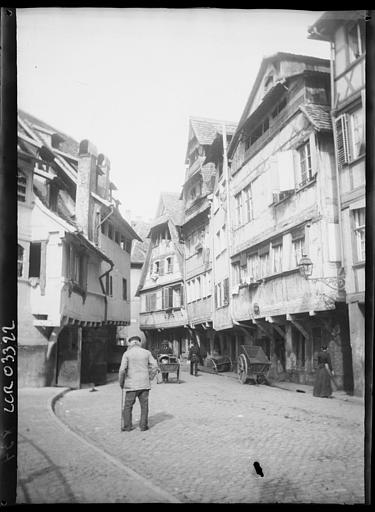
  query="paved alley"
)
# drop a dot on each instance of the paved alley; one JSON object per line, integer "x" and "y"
{"x": 207, "y": 432}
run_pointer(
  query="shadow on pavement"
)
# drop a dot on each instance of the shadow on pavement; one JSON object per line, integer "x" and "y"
{"x": 158, "y": 418}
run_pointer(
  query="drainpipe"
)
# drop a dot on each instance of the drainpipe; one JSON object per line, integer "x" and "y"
{"x": 333, "y": 106}
{"x": 104, "y": 290}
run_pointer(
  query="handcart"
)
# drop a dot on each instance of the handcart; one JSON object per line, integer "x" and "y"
{"x": 169, "y": 364}
{"x": 219, "y": 363}
{"x": 252, "y": 364}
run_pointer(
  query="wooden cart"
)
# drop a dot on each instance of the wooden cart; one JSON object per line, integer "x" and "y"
{"x": 219, "y": 363}
{"x": 169, "y": 364}
{"x": 252, "y": 364}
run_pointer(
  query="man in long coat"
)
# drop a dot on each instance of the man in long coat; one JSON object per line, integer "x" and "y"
{"x": 136, "y": 365}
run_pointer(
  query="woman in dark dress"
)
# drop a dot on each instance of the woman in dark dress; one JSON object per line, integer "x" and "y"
{"x": 322, "y": 386}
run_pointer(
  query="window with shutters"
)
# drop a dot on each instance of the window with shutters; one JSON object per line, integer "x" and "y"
{"x": 305, "y": 167}
{"x": 350, "y": 136}
{"x": 167, "y": 298}
{"x": 342, "y": 140}
{"x": 356, "y": 133}
{"x": 360, "y": 233}
{"x": 21, "y": 186}
{"x": 150, "y": 302}
{"x": 20, "y": 254}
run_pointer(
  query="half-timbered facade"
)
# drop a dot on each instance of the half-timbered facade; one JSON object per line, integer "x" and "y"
{"x": 345, "y": 31}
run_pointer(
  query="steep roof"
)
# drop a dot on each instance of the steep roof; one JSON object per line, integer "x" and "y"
{"x": 206, "y": 129}
{"x": 139, "y": 249}
{"x": 318, "y": 115}
{"x": 277, "y": 57}
{"x": 327, "y": 23}
{"x": 68, "y": 144}
{"x": 171, "y": 206}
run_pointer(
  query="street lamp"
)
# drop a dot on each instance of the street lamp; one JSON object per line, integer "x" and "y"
{"x": 305, "y": 266}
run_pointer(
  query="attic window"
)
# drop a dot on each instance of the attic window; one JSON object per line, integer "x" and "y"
{"x": 279, "y": 107}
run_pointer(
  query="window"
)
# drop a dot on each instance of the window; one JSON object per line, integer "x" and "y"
{"x": 298, "y": 249}
{"x": 169, "y": 265}
{"x": 238, "y": 203}
{"x": 261, "y": 129}
{"x": 253, "y": 266}
{"x": 124, "y": 289}
{"x": 20, "y": 253}
{"x": 277, "y": 256}
{"x": 357, "y": 139}
{"x": 167, "y": 298}
{"x": 108, "y": 285}
{"x": 110, "y": 231}
{"x": 117, "y": 237}
{"x": 103, "y": 227}
{"x": 128, "y": 245}
{"x": 35, "y": 258}
{"x": 236, "y": 273}
{"x": 218, "y": 295}
{"x": 249, "y": 214}
{"x": 356, "y": 41}
{"x": 226, "y": 291}
{"x": 360, "y": 232}
{"x": 264, "y": 262}
{"x": 304, "y": 156}
{"x": 155, "y": 267}
{"x": 151, "y": 302}
{"x": 350, "y": 138}
{"x": 21, "y": 186}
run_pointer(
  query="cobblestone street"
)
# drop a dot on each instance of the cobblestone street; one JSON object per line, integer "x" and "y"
{"x": 206, "y": 433}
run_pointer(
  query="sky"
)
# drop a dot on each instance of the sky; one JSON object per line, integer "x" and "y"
{"x": 128, "y": 79}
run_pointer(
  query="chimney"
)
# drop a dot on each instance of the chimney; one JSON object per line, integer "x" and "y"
{"x": 86, "y": 183}
{"x": 103, "y": 178}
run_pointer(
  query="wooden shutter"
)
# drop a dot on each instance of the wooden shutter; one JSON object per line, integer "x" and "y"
{"x": 226, "y": 291}
{"x": 43, "y": 265}
{"x": 342, "y": 140}
{"x": 285, "y": 164}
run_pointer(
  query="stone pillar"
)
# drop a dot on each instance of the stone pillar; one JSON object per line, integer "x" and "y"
{"x": 288, "y": 346}
{"x": 357, "y": 341}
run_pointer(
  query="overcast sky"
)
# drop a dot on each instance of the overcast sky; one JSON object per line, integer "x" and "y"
{"x": 128, "y": 80}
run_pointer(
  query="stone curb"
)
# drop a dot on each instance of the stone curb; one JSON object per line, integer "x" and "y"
{"x": 130, "y": 472}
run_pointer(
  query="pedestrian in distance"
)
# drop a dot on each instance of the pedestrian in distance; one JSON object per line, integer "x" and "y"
{"x": 164, "y": 350}
{"x": 194, "y": 358}
{"x": 137, "y": 368}
{"x": 324, "y": 374}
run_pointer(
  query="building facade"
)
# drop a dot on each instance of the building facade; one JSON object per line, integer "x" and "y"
{"x": 161, "y": 290}
{"x": 197, "y": 230}
{"x": 345, "y": 31}
{"x": 73, "y": 259}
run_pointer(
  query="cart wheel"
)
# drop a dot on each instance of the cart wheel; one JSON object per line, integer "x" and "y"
{"x": 214, "y": 365}
{"x": 242, "y": 368}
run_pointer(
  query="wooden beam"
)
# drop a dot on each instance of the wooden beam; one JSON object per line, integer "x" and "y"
{"x": 279, "y": 330}
{"x": 263, "y": 328}
{"x": 298, "y": 326}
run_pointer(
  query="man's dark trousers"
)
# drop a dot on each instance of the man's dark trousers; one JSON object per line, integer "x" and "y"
{"x": 130, "y": 397}
{"x": 193, "y": 367}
